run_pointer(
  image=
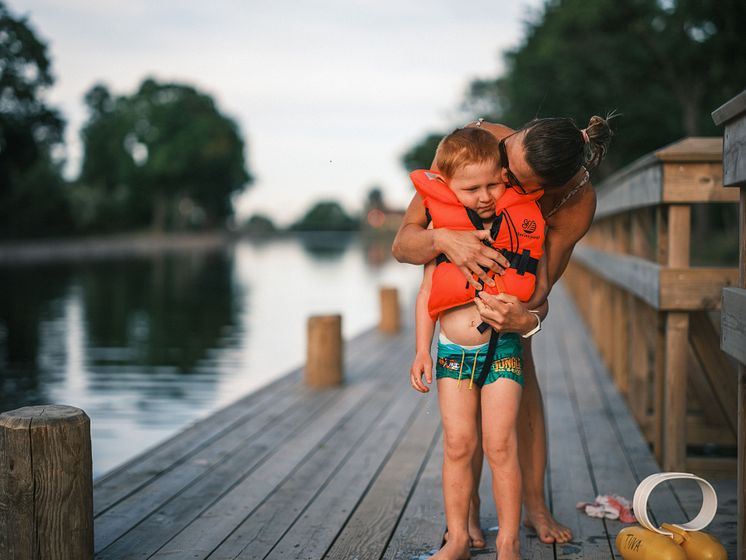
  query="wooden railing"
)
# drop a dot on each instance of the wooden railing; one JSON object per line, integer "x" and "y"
{"x": 732, "y": 116}
{"x": 649, "y": 310}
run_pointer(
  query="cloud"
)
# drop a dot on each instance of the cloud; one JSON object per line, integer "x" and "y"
{"x": 355, "y": 81}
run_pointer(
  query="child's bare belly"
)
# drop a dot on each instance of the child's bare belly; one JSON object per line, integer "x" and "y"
{"x": 460, "y": 325}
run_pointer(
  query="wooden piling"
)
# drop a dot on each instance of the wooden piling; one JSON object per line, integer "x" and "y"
{"x": 390, "y": 314}
{"x": 324, "y": 352}
{"x": 46, "y": 484}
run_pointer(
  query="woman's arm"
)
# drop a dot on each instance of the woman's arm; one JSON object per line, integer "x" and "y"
{"x": 415, "y": 244}
{"x": 506, "y": 313}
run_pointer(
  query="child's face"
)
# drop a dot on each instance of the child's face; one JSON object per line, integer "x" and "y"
{"x": 478, "y": 186}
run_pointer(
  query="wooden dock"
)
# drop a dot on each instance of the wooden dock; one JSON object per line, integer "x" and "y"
{"x": 354, "y": 472}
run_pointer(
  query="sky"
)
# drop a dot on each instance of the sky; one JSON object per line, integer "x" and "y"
{"x": 328, "y": 94}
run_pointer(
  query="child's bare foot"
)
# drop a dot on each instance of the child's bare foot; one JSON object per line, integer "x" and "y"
{"x": 475, "y": 529}
{"x": 547, "y": 528}
{"x": 455, "y": 549}
{"x": 508, "y": 549}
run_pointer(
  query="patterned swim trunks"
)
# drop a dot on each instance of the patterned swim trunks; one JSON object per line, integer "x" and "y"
{"x": 466, "y": 362}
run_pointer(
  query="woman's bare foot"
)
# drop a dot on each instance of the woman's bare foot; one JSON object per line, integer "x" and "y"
{"x": 508, "y": 550}
{"x": 546, "y": 527}
{"x": 475, "y": 529}
{"x": 455, "y": 549}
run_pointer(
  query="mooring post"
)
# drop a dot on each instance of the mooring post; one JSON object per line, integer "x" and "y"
{"x": 324, "y": 353}
{"x": 46, "y": 484}
{"x": 390, "y": 314}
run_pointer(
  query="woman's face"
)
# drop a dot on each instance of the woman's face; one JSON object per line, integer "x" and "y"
{"x": 516, "y": 172}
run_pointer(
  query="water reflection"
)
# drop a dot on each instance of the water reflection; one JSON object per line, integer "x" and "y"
{"x": 326, "y": 244}
{"x": 145, "y": 345}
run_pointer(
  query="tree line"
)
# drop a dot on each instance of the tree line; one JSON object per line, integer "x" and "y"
{"x": 664, "y": 65}
{"x": 163, "y": 157}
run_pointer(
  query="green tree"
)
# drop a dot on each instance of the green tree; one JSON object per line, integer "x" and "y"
{"x": 420, "y": 156}
{"x": 164, "y": 156}
{"x": 259, "y": 224}
{"x": 326, "y": 216}
{"x": 665, "y": 65}
{"x": 32, "y": 194}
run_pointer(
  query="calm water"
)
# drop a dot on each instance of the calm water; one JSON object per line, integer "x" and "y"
{"x": 147, "y": 345}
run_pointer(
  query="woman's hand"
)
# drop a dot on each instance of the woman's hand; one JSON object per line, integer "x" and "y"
{"x": 422, "y": 365}
{"x": 505, "y": 313}
{"x": 466, "y": 250}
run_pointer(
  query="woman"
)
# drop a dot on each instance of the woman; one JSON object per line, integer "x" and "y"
{"x": 555, "y": 155}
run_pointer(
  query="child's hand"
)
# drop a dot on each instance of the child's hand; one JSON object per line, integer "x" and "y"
{"x": 422, "y": 365}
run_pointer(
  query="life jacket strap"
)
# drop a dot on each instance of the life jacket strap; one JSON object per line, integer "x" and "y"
{"x": 523, "y": 262}
{"x": 487, "y": 365}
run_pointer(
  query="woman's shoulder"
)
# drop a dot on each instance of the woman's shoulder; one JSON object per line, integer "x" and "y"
{"x": 576, "y": 211}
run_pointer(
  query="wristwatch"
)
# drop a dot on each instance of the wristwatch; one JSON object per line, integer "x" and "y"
{"x": 537, "y": 328}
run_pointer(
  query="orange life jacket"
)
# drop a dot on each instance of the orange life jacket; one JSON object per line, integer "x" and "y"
{"x": 518, "y": 233}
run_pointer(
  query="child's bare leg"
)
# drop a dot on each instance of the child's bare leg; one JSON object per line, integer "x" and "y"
{"x": 475, "y": 527}
{"x": 500, "y": 402}
{"x": 533, "y": 457}
{"x": 458, "y": 410}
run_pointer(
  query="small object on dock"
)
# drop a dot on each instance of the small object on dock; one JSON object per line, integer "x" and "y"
{"x": 46, "y": 483}
{"x": 324, "y": 355}
{"x": 390, "y": 316}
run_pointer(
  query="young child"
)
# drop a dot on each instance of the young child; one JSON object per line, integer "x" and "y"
{"x": 467, "y": 193}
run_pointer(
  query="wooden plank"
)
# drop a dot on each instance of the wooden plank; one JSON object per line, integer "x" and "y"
{"x": 696, "y": 183}
{"x": 734, "y": 164}
{"x": 259, "y": 532}
{"x": 121, "y": 517}
{"x": 640, "y": 188}
{"x": 157, "y": 462}
{"x": 637, "y": 394}
{"x": 679, "y": 234}
{"x": 708, "y": 412}
{"x": 612, "y": 469}
{"x": 712, "y": 467}
{"x": 636, "y": 275}
{"x": 659, "y": 376}
{"x": 733, "y": 323}
{"x": 730, "y": 109}
{"x": 635, "y": 449}
{"x": 314, "y": 532}
{"x": 374, "y": 520}
{"x": 674, "y": 408}
{"x": 698, "y": 434}
{"x": 689, "y": 289}
{"x": 675, "y": 289}
{"x": 545, "y": 364}
{"x": 570, "y": 470}
{"x": 119, "y": 483}
{"x": 642, "y": 234}
{"x": 422, "y": 523}
{"x": 741, "y": 473}
{"x": 153, "y": 532}
{"x": 16, "y": 488}
{"x": 204, "y": 533}
{"x": 693, "y": 149}
{"x": 715, "y": 365}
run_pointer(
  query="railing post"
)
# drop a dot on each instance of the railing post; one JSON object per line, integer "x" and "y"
{"x": 46, "y": 484}
{"x": 677, "y": 346}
